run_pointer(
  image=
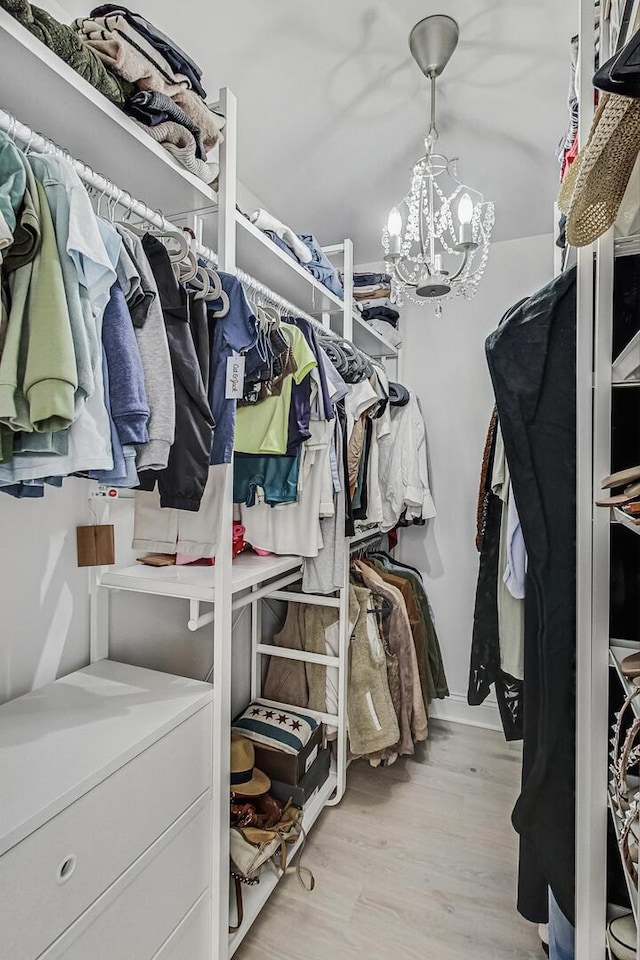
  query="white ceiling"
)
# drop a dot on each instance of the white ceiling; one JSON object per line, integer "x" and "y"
{"x": 333, "y": 110}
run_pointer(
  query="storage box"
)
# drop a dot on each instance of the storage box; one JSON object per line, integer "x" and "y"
{"x": 286, "y": 767}
{"x": 316, "y": 776}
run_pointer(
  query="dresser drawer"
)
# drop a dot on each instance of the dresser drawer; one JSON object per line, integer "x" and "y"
{"x": 57, "y": 872}
{"x": 134, "y": 918}
{"x": 190, "y": 940}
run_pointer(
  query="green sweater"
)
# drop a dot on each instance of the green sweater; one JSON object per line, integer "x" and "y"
{"x": 38, "y": 376}
{"x": 13, "y": 182}
{"x": 64, "y": 41}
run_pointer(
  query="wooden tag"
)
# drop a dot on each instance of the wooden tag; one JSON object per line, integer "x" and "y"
{"x": 96, "y": 545}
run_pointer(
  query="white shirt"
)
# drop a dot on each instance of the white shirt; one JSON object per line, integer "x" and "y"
{"x": 404, "y": 476}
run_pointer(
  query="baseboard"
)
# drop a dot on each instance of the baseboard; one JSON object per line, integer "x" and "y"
{"x": 455, "y": 709}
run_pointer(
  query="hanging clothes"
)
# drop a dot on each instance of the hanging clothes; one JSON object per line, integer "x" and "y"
{"x": 404, "y": 474}
{"x": 182, "y": 482}
{"x": 373, "y": 724}
{"x": 151, "y": 336}
{"x": 510, "y": 608}
{"x": 286, "y": 680}
{"x": 414, "y": 718}
{"x": 532, "y": 364}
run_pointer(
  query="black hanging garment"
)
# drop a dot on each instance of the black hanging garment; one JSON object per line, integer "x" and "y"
{"x": 485, "y": 668}
{"x": 181, "y": 484}
{"x": 532, "y": 363}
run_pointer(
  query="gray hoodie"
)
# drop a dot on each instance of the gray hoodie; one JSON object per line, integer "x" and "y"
{"x": 156, "y": 364}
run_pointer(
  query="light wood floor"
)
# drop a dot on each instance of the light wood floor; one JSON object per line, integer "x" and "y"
{"x": 417, "y": 863}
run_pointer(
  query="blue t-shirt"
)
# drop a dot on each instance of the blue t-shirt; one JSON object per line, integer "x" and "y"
{"x": 237, "y": 331}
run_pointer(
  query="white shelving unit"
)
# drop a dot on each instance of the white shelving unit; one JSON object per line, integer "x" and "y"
{"x": 597, "y": 377}
{"x": 255, "y": 898}
{"x": 54, "y": 100}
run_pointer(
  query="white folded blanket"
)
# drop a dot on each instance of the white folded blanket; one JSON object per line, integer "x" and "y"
{"x": 266, "y": 221}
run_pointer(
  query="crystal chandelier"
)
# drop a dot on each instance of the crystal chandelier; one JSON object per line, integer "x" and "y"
{"x": 436, "y": 241}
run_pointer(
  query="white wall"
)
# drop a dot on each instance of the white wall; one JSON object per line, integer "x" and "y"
{"x": 443, "y": 361}
{"x": 44, "y": 600}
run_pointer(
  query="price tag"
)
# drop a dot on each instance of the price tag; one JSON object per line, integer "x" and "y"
{"x": 235, "y": 377}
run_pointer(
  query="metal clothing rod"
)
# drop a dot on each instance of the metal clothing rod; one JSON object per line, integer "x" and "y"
{"x": 32, "y": 140}
{"x": 20, "y": 132}
{"x": 262, "y": 290}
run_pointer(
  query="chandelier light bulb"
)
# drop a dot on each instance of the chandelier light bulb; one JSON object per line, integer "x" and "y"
{"x": 394, "y": 223}
{"x": 394, "y": 229}
{"x": 465, "y": 209}
{"x": 465, "y": 216}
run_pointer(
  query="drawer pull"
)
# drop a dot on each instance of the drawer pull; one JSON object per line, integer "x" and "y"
{"x": 66, "y": 869}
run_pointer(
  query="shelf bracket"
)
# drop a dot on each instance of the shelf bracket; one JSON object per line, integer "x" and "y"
{"x": 196, "y": 619}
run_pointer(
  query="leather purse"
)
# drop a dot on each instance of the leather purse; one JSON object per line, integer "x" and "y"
{"x": 251, "y": 847}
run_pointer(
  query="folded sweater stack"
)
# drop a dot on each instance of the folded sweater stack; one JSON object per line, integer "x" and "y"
{"x": 372, "y": 293}
{"x": 141, "y": 70}
{"x": 167, "y": 96}
{"x": 64, "y": 41}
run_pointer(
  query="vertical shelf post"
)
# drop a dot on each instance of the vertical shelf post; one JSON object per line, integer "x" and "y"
{"x": 347, "y": 271}
{"x": 256, "y": 640}
{"x": 591, "y": 713}
{"x": 99, "y": 600}
{"x": 343, "y": 683}
{"x": 222, "y": 623}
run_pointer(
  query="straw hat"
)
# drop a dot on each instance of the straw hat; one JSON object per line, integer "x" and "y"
{"x": 593, "y": 189}
{"x": 246, "y": 780}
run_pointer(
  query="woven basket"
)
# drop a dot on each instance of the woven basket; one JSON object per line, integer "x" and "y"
{"x": 595, "y": 185}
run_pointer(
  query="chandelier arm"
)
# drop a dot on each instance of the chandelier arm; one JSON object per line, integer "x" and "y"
{"x": 421, "y": 218}
{"x": 432, "y": 227}
{"x": 403, "y": 279}
{"x": 461, "y": 268}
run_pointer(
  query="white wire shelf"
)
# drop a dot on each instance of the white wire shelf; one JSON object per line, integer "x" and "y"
{"x": 85, "y": 122}
{"x": 198, "y": 583}
{"x": 618, "y": 650}
{"x": 255, "y": 897}
{"x": 625, "y": 370}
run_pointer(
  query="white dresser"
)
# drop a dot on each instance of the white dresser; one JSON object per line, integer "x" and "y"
{"x": 105, "y": 819}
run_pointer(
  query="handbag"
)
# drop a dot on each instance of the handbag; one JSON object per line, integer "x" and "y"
{"x": 250, "y": 848}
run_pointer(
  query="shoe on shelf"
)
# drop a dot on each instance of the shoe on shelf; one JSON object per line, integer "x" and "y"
{"x": 630, "y": 666}
{"x": 629, "y": 495}
{"x": 622, "y": 478}
{"x": 622, "y": 937}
